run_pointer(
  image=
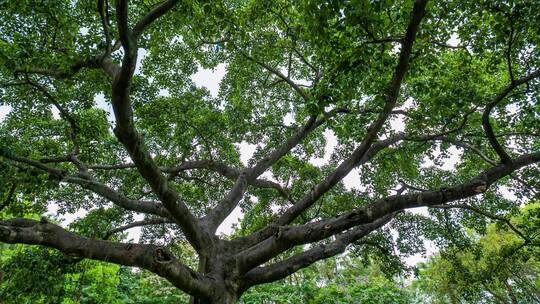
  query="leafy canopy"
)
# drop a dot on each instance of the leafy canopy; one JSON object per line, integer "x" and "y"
{"x": 426, "y": 103}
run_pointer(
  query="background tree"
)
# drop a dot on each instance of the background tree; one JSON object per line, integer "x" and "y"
{"x": 42, "y": 275}
{"x": 499, "y": 267}
{"x": 345, "y": 279}
{"x": 380, "y": 76}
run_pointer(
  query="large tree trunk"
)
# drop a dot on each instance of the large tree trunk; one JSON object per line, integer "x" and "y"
{"x": 221, "y": 298}
{"x": 225, "y": 292}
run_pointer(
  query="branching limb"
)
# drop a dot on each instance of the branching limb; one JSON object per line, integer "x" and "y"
{"x": 103, "y": 9}
{"x": 147, "y": 207}
{"x": 103, "y": 60}
{"x": 147, "y": 222}
{"x": 288, "y": 237}
{"x": 57, "y": 173}
{"x": 65, "y": 115}
{"x": 155, "y": 259}
{"x": 272, "y": 157}
{"x": 88, "y": 183}
{"x": 284, "y": 268}
{"x": 310, "y": 198}
{"x": 249, "y": 176}
{"x": 127, "y": 134}
{"x": 293, "y": 48}
{"x": 467, "y": 146}
{"x": 486, "y": 214}
{"x": 443, "y": 134}
{"x": 360, "y": 152}
{"x": 305, "y": 95}
{"x": 306, "y": 62}
{"x": 488, "y": 129}
{"x": 473, "y": 187}
{"x": 336, "y": 176}
{"x": 283, "y": 238}
{"x": 225, "y": 207}
{"x": 152, "y": 16}
{"x": 475, "y": 150}
{"x": 74, "y": 129}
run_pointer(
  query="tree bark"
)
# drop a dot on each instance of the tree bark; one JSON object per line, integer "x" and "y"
{"x": 226, "y": 298}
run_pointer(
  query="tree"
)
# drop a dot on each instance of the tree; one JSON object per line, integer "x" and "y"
{"x": 351, "y": 282}
{"x": 385, "y": 78}
{"x": 499, "y": 267}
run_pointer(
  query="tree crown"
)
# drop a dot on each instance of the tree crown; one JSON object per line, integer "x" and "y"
{"x": 104, "y": 115}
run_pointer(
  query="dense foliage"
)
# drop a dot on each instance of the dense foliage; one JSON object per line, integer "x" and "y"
{"x": 357, "y": 111}
{"x": 56, "y": 280}
{"x": 498, "y": 267}
{"x": 40, "y": 275}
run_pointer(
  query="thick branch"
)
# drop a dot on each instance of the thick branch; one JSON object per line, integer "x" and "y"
{"x": 390, "y": 100}
{"x": 147, "y": 207}
{"x": 87, "y": 182}
{"x": 155, "y": 259}
{"x": 357, "y": 158}
{"x": 475, "y": 150}
{"x": 284, "y": 268}
{"x": 249, "y": 176}
{"x": 281, "y": 239}
{"x": 488, "y": 129}
{"x": 152, "y": 16}
{"x": 127, "y": 134}
{"x": 313, "y": 195}
{"x": 473, "y": 187}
